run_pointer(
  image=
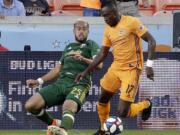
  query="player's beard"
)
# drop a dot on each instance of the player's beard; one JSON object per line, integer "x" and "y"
{"x": 82, "y": 40}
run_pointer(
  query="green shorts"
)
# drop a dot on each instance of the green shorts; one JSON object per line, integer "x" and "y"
{"x": 58, "y": 92}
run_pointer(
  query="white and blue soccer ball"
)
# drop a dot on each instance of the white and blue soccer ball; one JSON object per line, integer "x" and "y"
{"x": 113, "y": 125}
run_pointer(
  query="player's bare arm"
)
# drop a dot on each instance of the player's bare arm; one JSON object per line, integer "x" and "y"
{"x": 96, "y": 61}
{"x": 151, "y": 51}
{"x": 53, "y": 73}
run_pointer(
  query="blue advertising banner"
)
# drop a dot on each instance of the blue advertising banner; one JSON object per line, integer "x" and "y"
{"x": 17, "y": 67}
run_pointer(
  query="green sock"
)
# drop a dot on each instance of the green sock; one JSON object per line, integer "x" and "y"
{"x": 67, "y": 119}
{"x": 45, "y": 117}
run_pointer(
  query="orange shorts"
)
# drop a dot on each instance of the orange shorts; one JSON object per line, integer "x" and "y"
{"x": 124, "y": 80}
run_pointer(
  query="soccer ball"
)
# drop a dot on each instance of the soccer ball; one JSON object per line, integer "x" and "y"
{"x": 113, "y": 125}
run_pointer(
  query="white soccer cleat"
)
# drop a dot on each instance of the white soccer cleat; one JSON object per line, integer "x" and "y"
{"x": 57, "y": 130}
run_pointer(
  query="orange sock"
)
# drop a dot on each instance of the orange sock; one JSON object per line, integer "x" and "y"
{"x": 103, "y": 111}
{"x": 135, "y": 108}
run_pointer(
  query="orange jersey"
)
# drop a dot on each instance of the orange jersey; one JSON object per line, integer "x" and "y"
{"x": 126, "y": 43}
{"x": 96, "y": 4}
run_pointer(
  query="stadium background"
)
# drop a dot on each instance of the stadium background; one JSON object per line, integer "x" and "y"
{"x": 16, "y": 67}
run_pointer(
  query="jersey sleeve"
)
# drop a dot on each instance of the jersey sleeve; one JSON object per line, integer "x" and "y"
{"x": 94, "y": 49}
{"x": 138, "y": 28}
{"x": 61, "y": 61}
{"x": 106, "y": 41}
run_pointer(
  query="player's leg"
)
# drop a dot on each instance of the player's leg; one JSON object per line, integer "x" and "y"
{"x": 129, "y": 87}
{"x": 130, "y": 109}
{"x": 103, "y": 108}
{"x": 69, "y": 108}
{"x": 36, "y": 104}
{"x": 123, "y": 108}
{"x": 74, "y": 100}
{"x": 73, "y": 103}
{"x": 54, "y": 95}
{"x": 103, "y": 105}
{"x": 109, "y": 85}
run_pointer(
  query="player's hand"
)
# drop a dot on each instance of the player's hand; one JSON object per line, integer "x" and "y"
{"x": 80, "y": 76}
{"x": 78, "y": 57}
{"x": 32, "y": 83}
{"x": 150, "y": 73}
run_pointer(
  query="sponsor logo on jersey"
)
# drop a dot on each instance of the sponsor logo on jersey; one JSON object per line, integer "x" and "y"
{"x": 122, "y": 32}
{"x": 72, "y": 52}
{"x": 69, "y": 73}
{"x": 82, "y": 45}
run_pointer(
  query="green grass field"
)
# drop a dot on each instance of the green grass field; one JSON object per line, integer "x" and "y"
{"x": 90, "y": 132}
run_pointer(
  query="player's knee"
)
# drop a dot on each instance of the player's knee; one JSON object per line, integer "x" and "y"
{"x": 105, "y": 97}
{"x": 30, "y": 107}
{"x": 123, "y": 112}
{"x": 70, "y": 105}
{"x": 103, "y": 100}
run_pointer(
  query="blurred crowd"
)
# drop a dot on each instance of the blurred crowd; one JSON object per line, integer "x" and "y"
{"x": 84, "y": 7}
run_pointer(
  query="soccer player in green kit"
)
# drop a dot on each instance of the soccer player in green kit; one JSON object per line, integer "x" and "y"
{"x": 65, "y": 91}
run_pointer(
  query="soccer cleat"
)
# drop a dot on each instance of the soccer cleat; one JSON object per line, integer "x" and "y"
{"x": 56, "y": 122}
{"x": 99, "y": 132}
{"x": 147, "y": 112}
{"x": 49, "y": 132}
{"x": 57, "y": 130}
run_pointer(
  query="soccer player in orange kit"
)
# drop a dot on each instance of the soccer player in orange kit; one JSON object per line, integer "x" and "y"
{"x": 123, "y": 34}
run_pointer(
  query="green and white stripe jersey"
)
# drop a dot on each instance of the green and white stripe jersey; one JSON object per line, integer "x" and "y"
{"x": 70, "y": 66}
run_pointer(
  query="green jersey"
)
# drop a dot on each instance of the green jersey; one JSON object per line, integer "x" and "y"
{"x": 72, "y": 67}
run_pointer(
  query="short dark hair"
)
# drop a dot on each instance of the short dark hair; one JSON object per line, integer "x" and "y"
{"x": 109, "y": 3}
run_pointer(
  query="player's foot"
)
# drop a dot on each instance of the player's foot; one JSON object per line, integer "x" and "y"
{"x": 147, "y": 112}
{"x": 57, "y": 130}
{"x": 56, "y": 122}
{"x": 99, "y": 132}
